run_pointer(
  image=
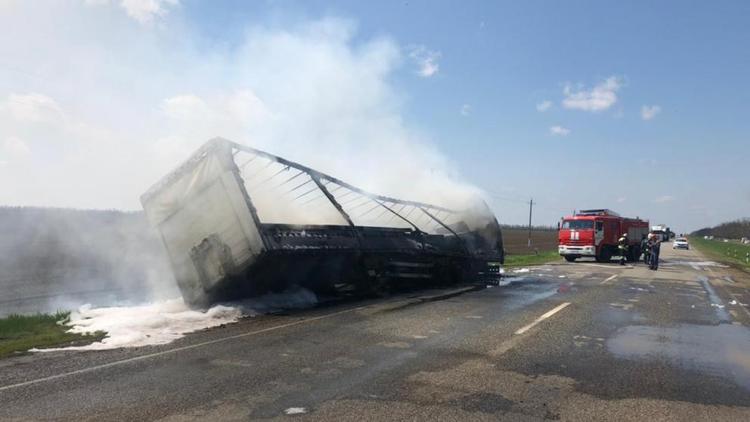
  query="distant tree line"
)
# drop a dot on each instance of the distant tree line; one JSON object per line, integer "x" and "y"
{"x": 526, "y": 227}
{"x": 732, "y": 230}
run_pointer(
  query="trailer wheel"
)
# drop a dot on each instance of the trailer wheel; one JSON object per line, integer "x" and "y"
{"x": 570, "y": 258}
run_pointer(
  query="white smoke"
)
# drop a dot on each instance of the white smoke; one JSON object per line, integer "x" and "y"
{"x": 95, "y": 111}
{"x": 134, "y": 100}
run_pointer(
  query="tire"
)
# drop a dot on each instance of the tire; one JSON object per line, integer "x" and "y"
{"x": 604, "y": 256}
{"x": 570, "y": 258}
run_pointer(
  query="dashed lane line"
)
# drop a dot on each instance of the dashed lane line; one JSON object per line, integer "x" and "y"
{"x": 542, "y": 318}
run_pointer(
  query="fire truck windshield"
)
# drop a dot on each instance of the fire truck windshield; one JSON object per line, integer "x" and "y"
{"x": 578, "y": 224}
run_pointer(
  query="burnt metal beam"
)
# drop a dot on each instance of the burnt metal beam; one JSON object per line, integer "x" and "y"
{"x": 321, "y": 175}
{"x": 334, "y": 202}
{"x": 402, "y": 217}
{"x": 447, "y": 228}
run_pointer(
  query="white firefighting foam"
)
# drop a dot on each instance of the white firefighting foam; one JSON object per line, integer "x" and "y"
{"x": 165, "y": 321}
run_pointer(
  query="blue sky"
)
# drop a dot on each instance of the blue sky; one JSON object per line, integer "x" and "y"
{"x": 466, "y": 79}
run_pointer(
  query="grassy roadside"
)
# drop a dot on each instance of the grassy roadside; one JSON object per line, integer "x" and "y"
{"x": 532, "y": 259}
{"x": 730, "y": 253}
{"x": 19, "y": 333}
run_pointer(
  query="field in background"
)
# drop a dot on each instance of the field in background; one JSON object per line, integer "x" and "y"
{"x": 543, "y": 246}
{"x": 532, "y": 259}
{"x": 515, "y": 240}
{"x": 731, "y": 253}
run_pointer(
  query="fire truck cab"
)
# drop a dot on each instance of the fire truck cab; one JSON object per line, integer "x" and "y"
{"x": 594, "y": 233}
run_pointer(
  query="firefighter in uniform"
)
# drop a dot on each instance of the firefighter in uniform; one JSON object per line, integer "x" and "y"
{"x": 622, "y": 245}
{"x": 644, "y": 249}
{"x": 654, "y": 248}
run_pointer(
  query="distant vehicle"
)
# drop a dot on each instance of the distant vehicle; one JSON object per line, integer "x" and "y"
{"x": 594, "y": 233}
{"x": 662, "y": 231}
{"x": 680, "y": 243}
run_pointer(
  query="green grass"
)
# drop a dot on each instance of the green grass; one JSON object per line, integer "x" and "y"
{"x": 730, "y": 253}
{"x": 19, "y": 333}
{"x": 532, "y": 259}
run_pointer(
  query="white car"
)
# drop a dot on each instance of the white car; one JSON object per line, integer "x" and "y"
{"x": 680, "y": 243}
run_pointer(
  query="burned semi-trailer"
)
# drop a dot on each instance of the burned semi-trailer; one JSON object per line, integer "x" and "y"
{"x": 237, "y": 222}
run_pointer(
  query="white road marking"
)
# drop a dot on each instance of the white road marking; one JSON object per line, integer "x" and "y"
{"x": 542, "y": 318}
{"x": 611, "y": 267}
{"x": 177, "y": 349}
{"x": 608, "y": 279}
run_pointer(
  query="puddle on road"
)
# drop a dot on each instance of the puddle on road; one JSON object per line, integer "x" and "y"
{"x": 520, "y": 291}
{"x": 722, "y": 350}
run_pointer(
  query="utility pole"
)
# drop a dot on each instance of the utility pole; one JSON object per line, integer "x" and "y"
{"x": 531, "y": 204}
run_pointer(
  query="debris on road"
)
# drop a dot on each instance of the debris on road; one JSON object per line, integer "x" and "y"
{"x": 295, "y": 411}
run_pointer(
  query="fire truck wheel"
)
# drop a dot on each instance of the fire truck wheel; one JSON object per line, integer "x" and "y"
{"x": 604, "y": 256}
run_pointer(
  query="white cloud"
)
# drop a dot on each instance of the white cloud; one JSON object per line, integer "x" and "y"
{"x": 544, "y": 106}
{"x": 559, "y": 131}
{"x": 599, "y": 98}
{"x": 649, "y": 112}
{"x": 621, "y": 199}
{"x": 15, "y": 147}
{"x": 32, "y": 107}
{"x": 465, "y": 110}
{"x": 664, "y": 198}
{"x": 135, "y": 103}
{"x": 426, "y": 60}
{"x": 144, "y": 11}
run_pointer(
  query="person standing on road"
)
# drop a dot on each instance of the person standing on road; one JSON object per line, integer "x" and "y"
{"x": 655, "y": 248}
{"x": 622, "y": 245}
{"x": 644, "y": 248}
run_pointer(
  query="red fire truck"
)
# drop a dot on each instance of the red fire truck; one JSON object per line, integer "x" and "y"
{"x": 595, "y": 233}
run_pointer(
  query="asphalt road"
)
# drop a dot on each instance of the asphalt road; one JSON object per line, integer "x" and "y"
{"x": 580, "y": 341}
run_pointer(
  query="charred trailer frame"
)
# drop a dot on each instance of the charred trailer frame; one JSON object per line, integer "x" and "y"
{"x": 237, "y": 222}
